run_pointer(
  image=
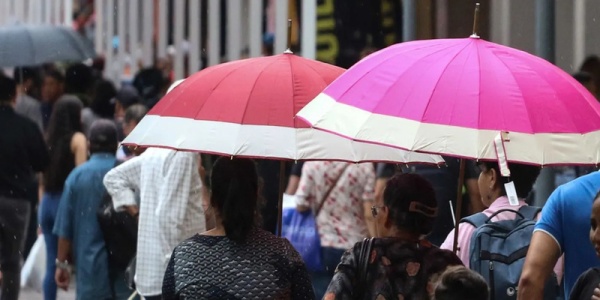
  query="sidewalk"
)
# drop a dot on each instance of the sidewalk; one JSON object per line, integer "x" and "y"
{"x": 32, "y": 294}
{"x": 29, "y": 294}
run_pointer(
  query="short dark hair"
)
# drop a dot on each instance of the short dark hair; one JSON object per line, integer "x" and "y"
{"x": 56, "y": 75}
{"x": 411, "y": 201}
{"x": 458, "y": 283}
{"x": 8, "y": 89}
{"x": 523, "y": 176}
{"x": 22, "y": 74}
{"x": 135, "y": 113}
{"x": 103, "y": 136}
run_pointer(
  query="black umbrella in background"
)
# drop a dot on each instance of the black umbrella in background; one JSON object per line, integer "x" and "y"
{"x": 26, "y": 45}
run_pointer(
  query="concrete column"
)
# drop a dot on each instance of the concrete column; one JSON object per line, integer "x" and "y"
{"x": 134, "y": 34}
{"x": 281, "y": 25}
{"x": 578, "y": 32}
{"x": 163, "y": 25}
{"x": 56, "y": 5}
{"x": 68, "y": 13}
{"x": 309, "y": 29}
{"x": 47, "y": 12}
{"x": 409, "y": 18}
{"x": 20, "y": 11}
{"x": 194, "y": 59}
{"x": 214, "y": 31}
{"x": 234, "y": 28}
{"x": 109, "y": 66}
{"x": 147, "y": 33}
{"x": 179, "y": 32}
{"x": 255, "y": 30}
{"x": 99, "y": 29}
{"x": 122, "y": 33}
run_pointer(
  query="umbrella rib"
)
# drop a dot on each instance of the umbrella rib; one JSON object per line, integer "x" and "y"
{"x": 571, "y": 82}
{"x": 320, "y": 77}
{"x": 385, "y": 61}
{"x": 253, "y": 86}
{"x": 199, "y": 78}
{"x": 520, "y": 90}
{"x": 293, "y": 87}
{"x": 440, "y": 78}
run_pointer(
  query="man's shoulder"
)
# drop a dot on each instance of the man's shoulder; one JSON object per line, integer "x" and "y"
{"x": 575, "y": 189}
{"x": 90, "y": 169}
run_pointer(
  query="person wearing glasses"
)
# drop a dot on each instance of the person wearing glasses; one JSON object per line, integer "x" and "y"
{"x": 401, "y": 264}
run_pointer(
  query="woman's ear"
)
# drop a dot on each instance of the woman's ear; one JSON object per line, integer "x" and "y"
{"x": 493, "y": 178}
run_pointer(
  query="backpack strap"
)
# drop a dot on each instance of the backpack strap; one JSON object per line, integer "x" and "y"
{"x": 530, "y": 212}
{"x": 477, "y": 220}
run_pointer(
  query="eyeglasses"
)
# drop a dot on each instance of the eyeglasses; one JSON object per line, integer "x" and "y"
{"x": 375, "y": 210}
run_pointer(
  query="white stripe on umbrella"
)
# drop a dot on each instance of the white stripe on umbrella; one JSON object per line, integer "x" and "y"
{"x": 261, "y": 141}
{"x": 360, "y": 125}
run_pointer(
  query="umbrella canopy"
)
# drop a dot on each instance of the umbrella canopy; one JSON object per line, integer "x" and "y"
{"x": 463, "y": 97}
{"x": 24, "y": 45}
{"x": 247, "y": 108}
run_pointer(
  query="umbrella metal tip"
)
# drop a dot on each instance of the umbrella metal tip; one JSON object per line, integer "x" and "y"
{"x": 476, "y": 22}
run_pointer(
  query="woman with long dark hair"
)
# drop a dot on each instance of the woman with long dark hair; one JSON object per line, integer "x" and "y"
{"x": 236, "y": 259}
{"x": 67, "y": 146}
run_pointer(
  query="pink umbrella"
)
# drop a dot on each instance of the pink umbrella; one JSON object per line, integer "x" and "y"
{"x": 463, "y": 97}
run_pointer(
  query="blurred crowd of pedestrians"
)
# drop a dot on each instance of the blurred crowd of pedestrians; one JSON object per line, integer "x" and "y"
{"x": 54, "y": 159}
{"x": 205, "y": 225}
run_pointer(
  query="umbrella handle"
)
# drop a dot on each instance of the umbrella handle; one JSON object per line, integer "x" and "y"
{"x": 461, "y": 181}
{"x": 281, "y": 191}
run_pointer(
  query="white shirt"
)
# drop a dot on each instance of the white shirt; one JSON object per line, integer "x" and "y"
{"x": 170, "y": 207}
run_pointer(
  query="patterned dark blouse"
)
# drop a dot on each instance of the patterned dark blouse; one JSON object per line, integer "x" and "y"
{"x": 397, "y": 270}
{"x": 214, "y": 267}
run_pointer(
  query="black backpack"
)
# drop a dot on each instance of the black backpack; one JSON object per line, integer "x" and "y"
{"x": 120, "y": 233}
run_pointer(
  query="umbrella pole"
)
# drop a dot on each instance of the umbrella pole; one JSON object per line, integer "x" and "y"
{"x": 459, "y": 200}
{"x": 281, "y": 191}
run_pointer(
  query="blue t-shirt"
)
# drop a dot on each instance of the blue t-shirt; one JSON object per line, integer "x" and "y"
{"x": 566, "y": 217}
{"x": 76, "y": 221}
